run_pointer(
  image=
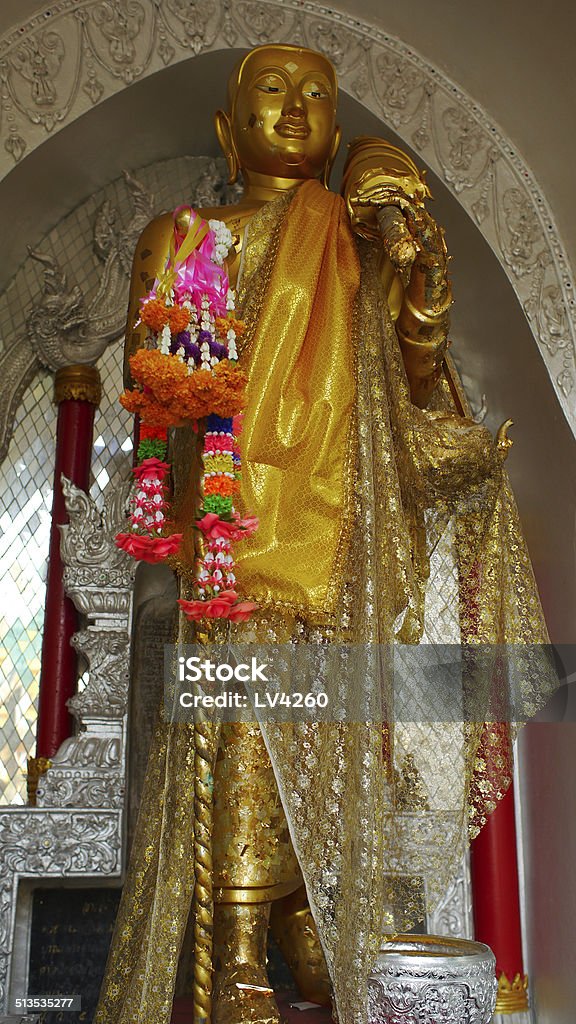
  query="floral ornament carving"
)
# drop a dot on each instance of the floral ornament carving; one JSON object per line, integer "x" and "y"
{"x": 190, "y": 21}
{"x": 120, "y": 25}
{"x": 58, "y": 324}
{"x": 39, "y": 60}
{"x": 400, "y": 84}
{"x": 46, "y": 843}
{"x": 262, "y": 21}
{"x": 93, "y": 48}
{"x": 453, "y": 915}
{"x": 107, "y": 694}
{"x": 523, "y": 231}
{"x": 464, "y": 136}
{"x": 87, "y": 540}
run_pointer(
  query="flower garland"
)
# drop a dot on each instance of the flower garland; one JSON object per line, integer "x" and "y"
{"x": 188, "y": 372}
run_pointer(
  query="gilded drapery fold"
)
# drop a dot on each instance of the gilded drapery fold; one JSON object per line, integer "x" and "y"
{"x": 297, "y": 435}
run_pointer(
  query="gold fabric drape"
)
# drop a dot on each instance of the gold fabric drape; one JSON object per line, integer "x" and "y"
{"x": 370, "y": 810}
{"x": 296, "y": 435}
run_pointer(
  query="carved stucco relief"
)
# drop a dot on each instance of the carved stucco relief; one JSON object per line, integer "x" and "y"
{"x": 76, "y": 53}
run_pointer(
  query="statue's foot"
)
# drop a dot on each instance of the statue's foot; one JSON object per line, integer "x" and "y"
{"x": 243, "y": 995}
{"x": 242, "y": 992}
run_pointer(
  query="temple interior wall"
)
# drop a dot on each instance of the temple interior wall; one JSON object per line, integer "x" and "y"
{"x": 516, "y": 60}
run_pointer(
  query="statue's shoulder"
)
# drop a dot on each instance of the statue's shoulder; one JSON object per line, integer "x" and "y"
{"x": 160, "y": 228}
{"x": 156, "y": 235}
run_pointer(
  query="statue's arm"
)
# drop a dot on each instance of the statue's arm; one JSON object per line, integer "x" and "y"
{"x": 385, "y": 196}
{"x": 149, "y": 259}
{"x": 423, "y": 323}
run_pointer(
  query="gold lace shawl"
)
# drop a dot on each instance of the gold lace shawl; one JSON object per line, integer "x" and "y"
{"x": 372, "y": 810}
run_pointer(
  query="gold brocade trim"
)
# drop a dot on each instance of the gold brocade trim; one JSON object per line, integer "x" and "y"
{"x": 260, "y": 251}
{"x": 512, "y": 996}
{"x": 36, "y": 766}
{"x": 80, "y": 383}
{"x": 257, "y": 894}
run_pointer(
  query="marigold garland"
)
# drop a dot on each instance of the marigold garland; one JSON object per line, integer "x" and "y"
{"x": 189, "y": 372}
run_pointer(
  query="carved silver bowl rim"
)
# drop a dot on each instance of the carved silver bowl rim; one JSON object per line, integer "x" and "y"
{"x": 445, "y": 952}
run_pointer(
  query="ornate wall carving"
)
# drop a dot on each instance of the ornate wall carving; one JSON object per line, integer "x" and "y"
{"x": 77, "y": 53}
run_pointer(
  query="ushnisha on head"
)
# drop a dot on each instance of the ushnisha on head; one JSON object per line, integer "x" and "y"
{"x": 281, "y": 119}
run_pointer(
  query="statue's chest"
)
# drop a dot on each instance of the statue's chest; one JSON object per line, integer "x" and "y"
{"x": 237, "y": 221}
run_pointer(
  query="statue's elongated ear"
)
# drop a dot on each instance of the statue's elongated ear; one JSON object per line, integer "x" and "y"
{"x": 224, "y": 135}
{"x": 332, "y": 157}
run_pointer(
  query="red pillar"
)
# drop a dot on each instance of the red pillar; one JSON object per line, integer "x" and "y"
{"x": 496, "y": 899}
{"x": 77, "y": 392}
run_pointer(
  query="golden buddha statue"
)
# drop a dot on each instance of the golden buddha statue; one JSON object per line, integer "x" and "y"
{"x": 358, "y": 455}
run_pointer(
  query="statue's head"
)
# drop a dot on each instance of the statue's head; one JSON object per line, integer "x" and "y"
{"x": 281, "y": 118}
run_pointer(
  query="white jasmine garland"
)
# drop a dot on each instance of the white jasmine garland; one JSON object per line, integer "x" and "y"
{"x": 222, "y": 240}
{"x": 165, "y": 340}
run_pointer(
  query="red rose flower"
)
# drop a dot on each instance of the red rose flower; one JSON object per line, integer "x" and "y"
{"x": 148, "y": 549}
{"x": 193, "y": 610}
{"x": 242, "y": 611}
{"x": 216, "y": 608}
{"x": 248, "y": 526}
{"x": 153, "y": 468}
{"x": 212, "y": 526}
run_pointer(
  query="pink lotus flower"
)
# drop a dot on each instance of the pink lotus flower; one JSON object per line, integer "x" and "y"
{"x": 148, "y": 549}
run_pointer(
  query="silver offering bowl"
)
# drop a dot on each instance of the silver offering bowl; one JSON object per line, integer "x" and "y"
{"x": 430, "y": 979}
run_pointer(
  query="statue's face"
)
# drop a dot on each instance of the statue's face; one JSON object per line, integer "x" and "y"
{"x": 284, "y": 112}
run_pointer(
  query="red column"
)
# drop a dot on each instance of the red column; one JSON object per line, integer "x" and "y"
{"x": 77, "y": 392}
{"x": 496, "y": 899}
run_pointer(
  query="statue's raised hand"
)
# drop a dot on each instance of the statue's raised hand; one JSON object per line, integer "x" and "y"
{"x": 409, "y": 232}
